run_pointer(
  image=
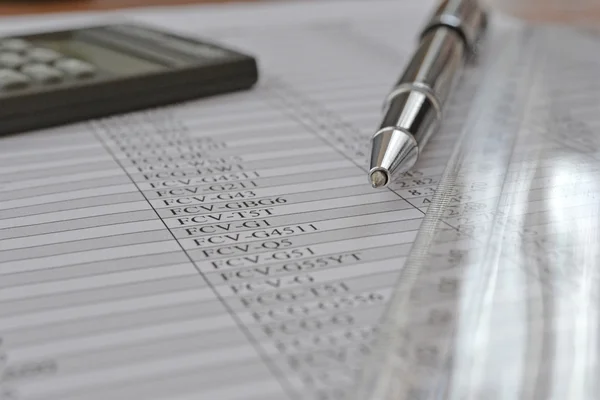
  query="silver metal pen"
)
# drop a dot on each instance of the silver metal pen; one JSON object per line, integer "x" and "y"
{"x": 413, "y": 110}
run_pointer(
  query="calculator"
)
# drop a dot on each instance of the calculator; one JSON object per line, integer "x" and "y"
{"x": 59, "y": 77}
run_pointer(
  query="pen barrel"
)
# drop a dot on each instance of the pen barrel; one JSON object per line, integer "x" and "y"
{"x": 416, "y": 103}
{"x": 466, "y": 17}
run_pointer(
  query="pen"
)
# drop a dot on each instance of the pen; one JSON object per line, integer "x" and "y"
{"x": 413, "y": 109}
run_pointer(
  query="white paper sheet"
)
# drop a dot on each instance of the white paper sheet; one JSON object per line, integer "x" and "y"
{"x": 253, "y": 261}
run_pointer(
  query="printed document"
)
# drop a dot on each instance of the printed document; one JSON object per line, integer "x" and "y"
{"x": 223, "y": 248}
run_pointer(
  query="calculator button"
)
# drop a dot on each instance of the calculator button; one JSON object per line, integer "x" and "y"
{"x": 76, "y": 68}
{"x": 11, "y": 60}
{"x": 42, "y": 73}
{"x": 10, "y": 79}
{"x": 42, "y": 55}
{"x": 17, "y": 45}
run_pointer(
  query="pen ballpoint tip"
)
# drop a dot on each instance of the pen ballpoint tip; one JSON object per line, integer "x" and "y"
{"x": 378, "y": 179}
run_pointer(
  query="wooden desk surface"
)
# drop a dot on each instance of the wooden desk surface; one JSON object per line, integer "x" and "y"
{"x": 17, "y": 7}
{"x": 530, "y": 9}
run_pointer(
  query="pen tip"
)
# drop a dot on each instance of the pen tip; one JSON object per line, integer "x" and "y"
{"x": 378, "y": 179}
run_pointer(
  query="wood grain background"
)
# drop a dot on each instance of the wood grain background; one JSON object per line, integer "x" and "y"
{"x": 17, "y": 7}
{"x": 570, "y": 11}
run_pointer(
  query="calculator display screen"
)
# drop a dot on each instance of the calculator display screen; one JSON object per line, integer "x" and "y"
{"x": 107, "y": 59}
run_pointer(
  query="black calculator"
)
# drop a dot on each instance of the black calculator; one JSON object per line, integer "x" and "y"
{"x": 58, "y": 77}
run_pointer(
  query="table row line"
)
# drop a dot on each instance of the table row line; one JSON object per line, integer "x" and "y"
{"x": 123, "y": 209}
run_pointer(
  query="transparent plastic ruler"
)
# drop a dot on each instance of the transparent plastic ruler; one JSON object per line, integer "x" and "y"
{"x": 499, "y": 298}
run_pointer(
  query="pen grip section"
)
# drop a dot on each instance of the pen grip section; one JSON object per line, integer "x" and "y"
{"x": 412, "y": 111}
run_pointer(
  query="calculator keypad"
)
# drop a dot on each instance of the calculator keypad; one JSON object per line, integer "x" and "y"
{"x": 15, "y": 44}
{"x": 38, "y": 54}
{"x": 42, "y": 73}
{"x": 10, "y": 79}
{"x": 76, "y": 68}
{"x": 24, "y": 65}
{"x": 11, "y": 60}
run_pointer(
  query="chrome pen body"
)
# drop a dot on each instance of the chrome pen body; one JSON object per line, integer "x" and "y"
{"x": 414, "y": 109}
